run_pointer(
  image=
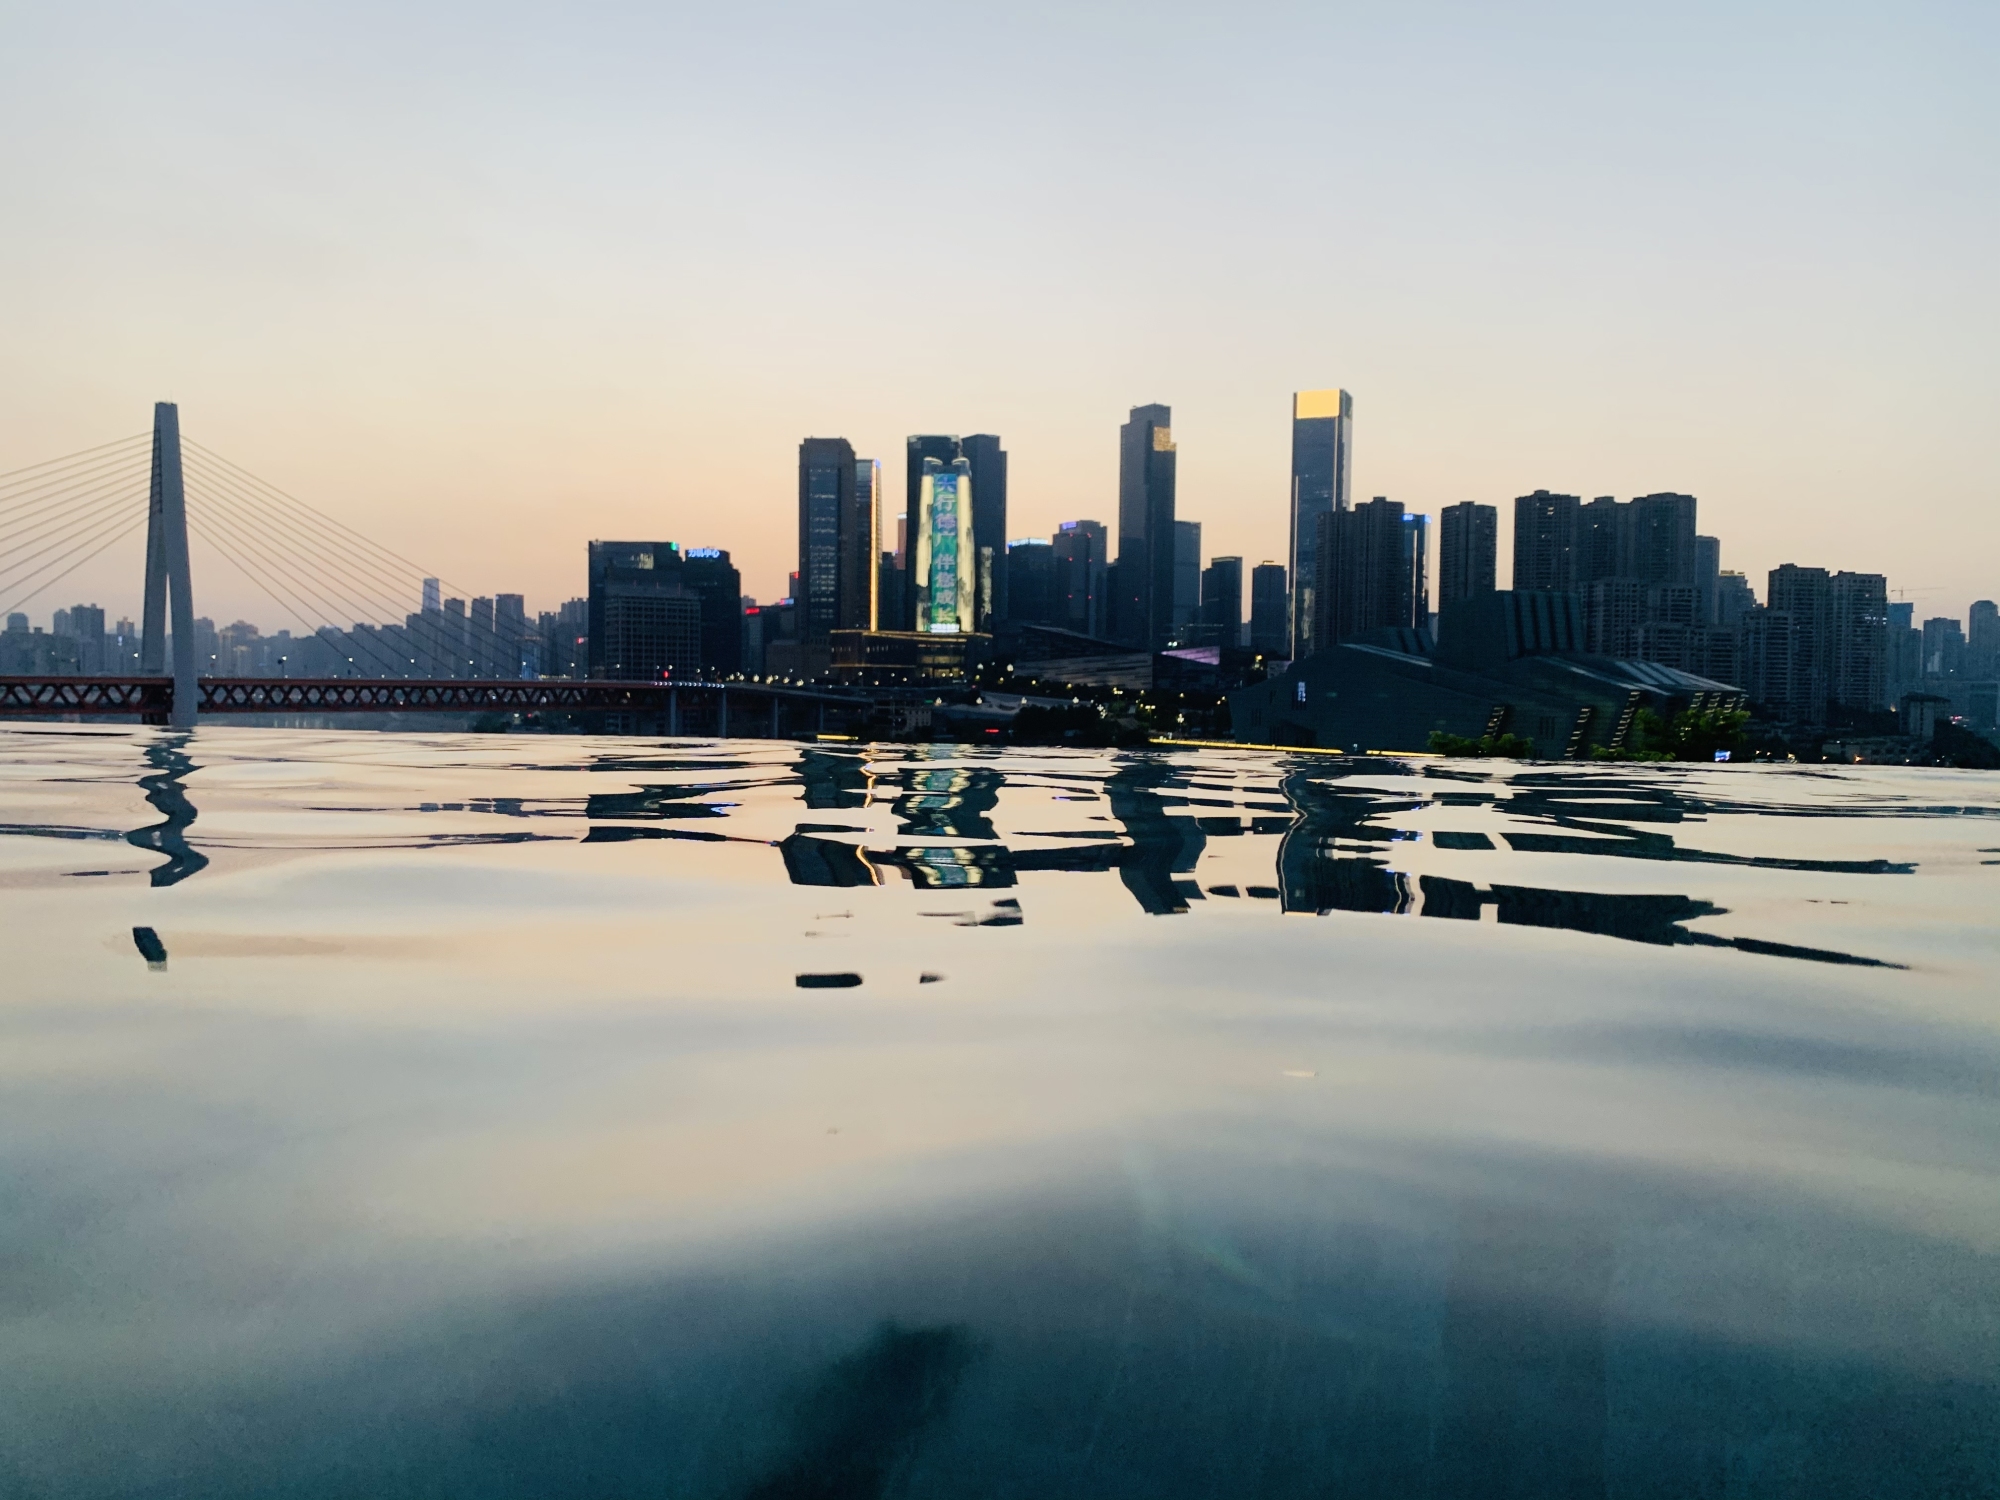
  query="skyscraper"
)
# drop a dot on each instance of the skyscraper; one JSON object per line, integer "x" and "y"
{"x": 1602, "y": 542}
{"x": 1944, "y": 648}
{"x": 1659, "y": 541}
{"x": 940, "y": 575}
{"x": 1708, "y": 576}
{"x": 643, "y": 621}
{"x": 1858, "y": 652}
{"x": 1146, "y": 543}
{"x": 1734, "y": 598}
{"x": 1468, "y": 552}
{"x": 708, "y": 574}
{"x": 1322, "y": 460}
{"x": 916, "y": 449}
{"x": 1031, "y": 581}
{"x": 1371, "y": 572}
{"x": 826, "y": 509}
{"x": 1080, "y": 560}
{"x": 1545, "y": 543}
{"x": 860, "y": 550}
{"x": 1270, "y": 611}
{"x": 1982, "y": 640}
{"x": 987, "y": 462}
{"x": 1805, "y": 595}
{"x": 1222, "y": 601}
{"x": 1187, "y": 578}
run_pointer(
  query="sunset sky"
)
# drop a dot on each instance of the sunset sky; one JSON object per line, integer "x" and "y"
{"x": 489, "y": 281}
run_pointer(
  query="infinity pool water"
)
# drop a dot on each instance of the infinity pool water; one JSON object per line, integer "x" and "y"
{"x": 514, "y": 1116}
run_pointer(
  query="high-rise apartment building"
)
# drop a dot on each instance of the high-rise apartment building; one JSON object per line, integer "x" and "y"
{"x": 1270, "y": 611}
{"x": 1906, "y": 652}
{"x": 1080, "y": 560}
{"x": 1805, "y": 597}
{"x": 1708, "y": 576}
{"x": 1322, "y": 463}
{"x": 1222, "y": 601}
{"x": 1734, "y": 598}
{"x": 986, "y": 461}
{"x": 1658, "y": 544}
{"x": 1858, "y": 651}
{"x": 1982, "y": 640}
{"x": 1146, "y": 539}
{"x": 826, "y": 511}
{"x": 1371, "y": 562}
{"x": 482, "y": 649}
{"x": 1187, "y": 578}
{"x": 1944, "y": 648}
{"x": 1545, "y": 543}
{"x": 1468, "y": 552}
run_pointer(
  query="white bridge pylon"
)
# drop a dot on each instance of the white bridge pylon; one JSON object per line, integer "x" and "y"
{"x": 167, "y": 580}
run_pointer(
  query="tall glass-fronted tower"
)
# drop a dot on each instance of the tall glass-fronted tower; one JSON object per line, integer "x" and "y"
{"x": 1143, "y": 607}
{"x": 1322, "y": 451}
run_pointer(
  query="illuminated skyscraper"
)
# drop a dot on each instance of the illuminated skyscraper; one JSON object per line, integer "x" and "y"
{"x": 940, "y": 572}
{"x": 1146, "y": 539}
{"x": 1322, "y": 458}
{"x": 916, "y": 450}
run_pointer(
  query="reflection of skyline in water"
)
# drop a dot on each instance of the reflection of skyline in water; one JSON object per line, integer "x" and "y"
{"x": 1335, "y": 845}
{"x": 521, "y": 1118}
{"x": 1338, "y": 831}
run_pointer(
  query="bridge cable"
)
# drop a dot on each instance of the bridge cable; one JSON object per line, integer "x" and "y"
{"x": 13, "y": 477}
{"x": 221, "y": 525}
{"x": 12, "y": 543}
{"x": 249, "y": 513}
{"x": 216, "y": 522}
{"x": 383, "y": 593}
{"x": 248, "y": 534}
{"x": 131, "y": 469}
{"x": 113, "y": 537}
{"x": 73, "y": 527}
{"x": 312, "y": 631}
{"x": 327, "y": 520}
{"x": 362, "y": 595}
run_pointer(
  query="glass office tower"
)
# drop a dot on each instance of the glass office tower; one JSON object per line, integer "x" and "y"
{"x": 1322, "y": 458}
{"x": 1144, "y": 600}
{"x": 826, "y": 501}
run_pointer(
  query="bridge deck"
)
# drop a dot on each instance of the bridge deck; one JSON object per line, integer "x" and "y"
{"x": 153, "y": 697}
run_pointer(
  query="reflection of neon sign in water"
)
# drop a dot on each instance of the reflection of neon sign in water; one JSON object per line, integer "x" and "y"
{"x": 944, "y": 527}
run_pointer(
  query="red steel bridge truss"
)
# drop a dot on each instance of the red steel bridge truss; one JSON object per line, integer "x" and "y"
{"x": 701, "y": 706}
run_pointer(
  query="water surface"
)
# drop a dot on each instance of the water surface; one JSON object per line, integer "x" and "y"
{"x": 520, "y": 1116}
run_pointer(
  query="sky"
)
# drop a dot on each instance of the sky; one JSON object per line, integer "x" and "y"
{"x": 485, "y": 282}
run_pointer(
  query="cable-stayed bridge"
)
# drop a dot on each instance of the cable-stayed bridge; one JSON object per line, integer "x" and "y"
{"x": 327, "y": 579}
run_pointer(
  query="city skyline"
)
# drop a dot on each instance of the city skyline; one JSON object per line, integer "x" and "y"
{"x": 486, "y": 288}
